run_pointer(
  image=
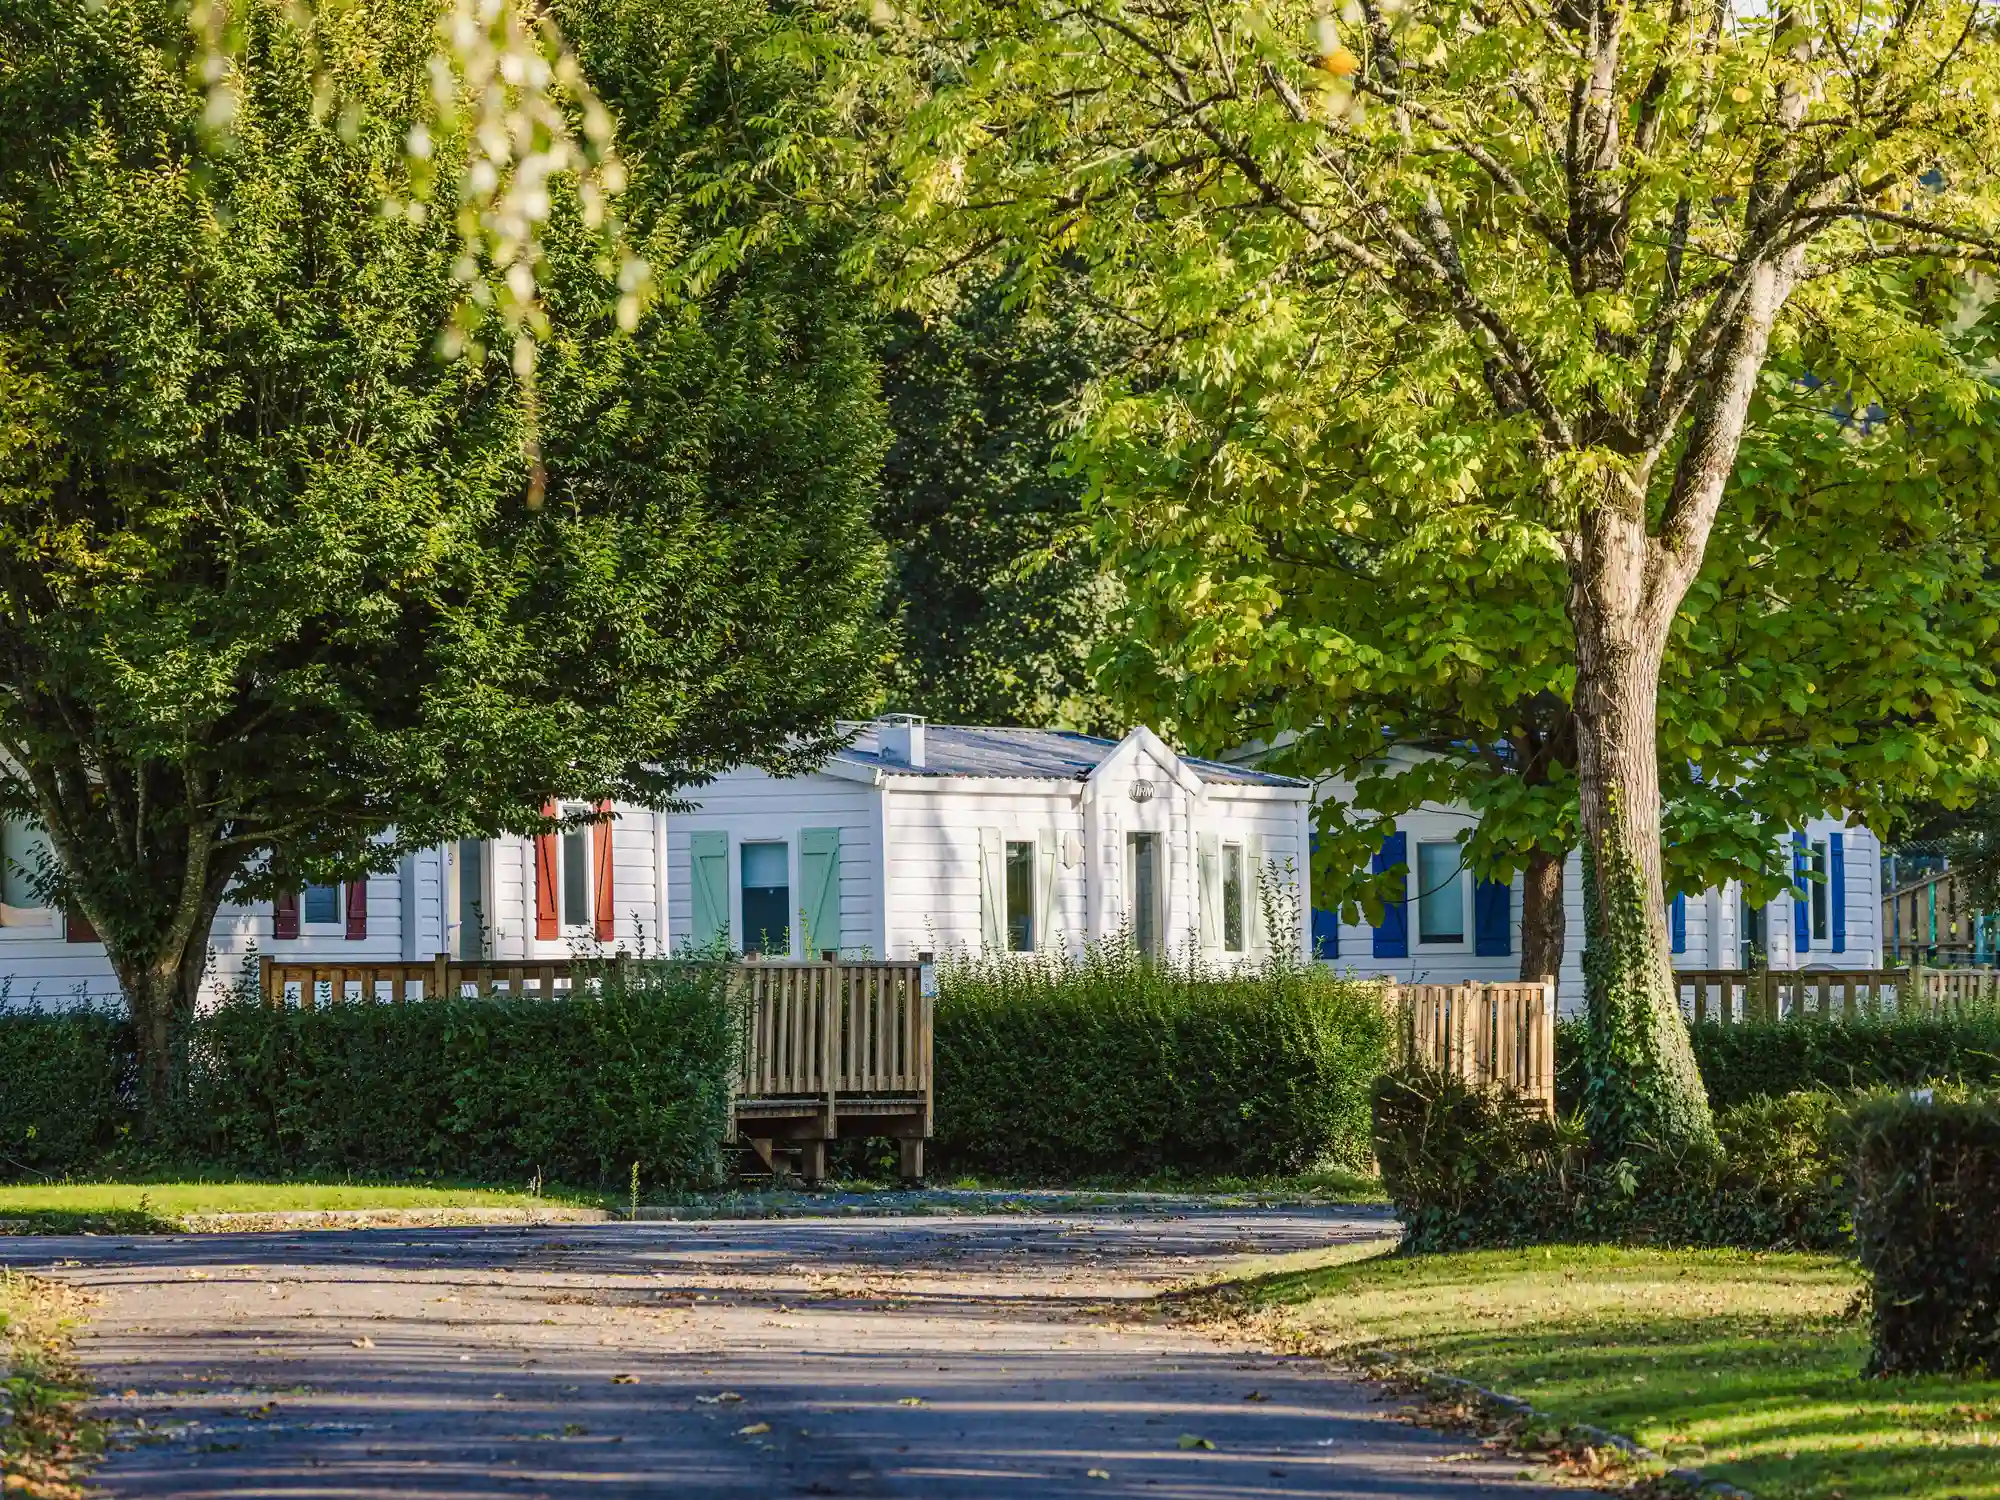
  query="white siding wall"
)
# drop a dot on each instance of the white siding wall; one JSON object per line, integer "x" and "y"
{"x": 749, "y": 805}
{"x": 934, "y": 827}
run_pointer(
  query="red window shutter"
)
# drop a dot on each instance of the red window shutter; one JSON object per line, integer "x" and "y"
{"x": 605, "y": 905}
{"x": 547, "y": 929}
{"x": 77, "y": 928}
{"x": 357, "y": 909}
{"x": 285, "y": 914}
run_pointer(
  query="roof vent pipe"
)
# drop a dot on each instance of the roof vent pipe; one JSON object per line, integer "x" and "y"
{"x": 901, "y": 737}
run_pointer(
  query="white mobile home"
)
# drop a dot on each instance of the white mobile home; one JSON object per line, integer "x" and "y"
{"x": 914, "y": 837}
{"x": 1451, "y": 928}
{"x": 931, "y": 837}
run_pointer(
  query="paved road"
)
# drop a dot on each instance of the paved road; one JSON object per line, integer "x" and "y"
{"x": 947, "y": 1358}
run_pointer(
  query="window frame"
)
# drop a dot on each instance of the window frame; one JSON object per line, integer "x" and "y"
{"x": 1462, "y": 940}
{"x": 338, "y": 923}
{"x": 483, "y": 897}
{"x": 1156, "y": 909}
{"x": 1028, "y": 850}
{"x": 1240, "y": 857}
{"x": 584, "y": 835}
{"x": 1819, "y": 896}
{"x": 742, "y": 887}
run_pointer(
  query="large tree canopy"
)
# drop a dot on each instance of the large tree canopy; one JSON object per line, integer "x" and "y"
{"x": 1833, "y": 655}
{"x": 273, "y": 576}
{"x": 999, "y": 599}
{"x": 1535, "y": 257}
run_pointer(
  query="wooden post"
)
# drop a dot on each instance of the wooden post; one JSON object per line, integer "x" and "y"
{"x": 440, "y": 978}
{"x": 829, "y": 1045}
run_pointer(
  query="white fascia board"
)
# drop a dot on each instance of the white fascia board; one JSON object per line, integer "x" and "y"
{"x": 1144, "y": 739}
{"x": 1005, "y": 786}
{"x": 847, "y": 770}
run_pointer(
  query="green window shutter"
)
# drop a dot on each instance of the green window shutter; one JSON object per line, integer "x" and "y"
{"x": 1045, "y": 889}
{"x": 992, "y": 891}
{"x": 819, "y": 893}
{"x": 708, "y": 884}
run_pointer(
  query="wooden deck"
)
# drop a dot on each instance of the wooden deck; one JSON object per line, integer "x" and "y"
{"x": 829, "y": 1049}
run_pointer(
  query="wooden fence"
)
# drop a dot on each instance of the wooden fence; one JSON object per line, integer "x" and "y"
{"x": 823, "y": 1042}
{"x": 1735, "y": 996}
{"x": 1490, "y": 1035}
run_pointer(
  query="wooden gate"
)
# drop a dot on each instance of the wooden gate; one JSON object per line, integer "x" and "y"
{"x": 1490, "y": 1035}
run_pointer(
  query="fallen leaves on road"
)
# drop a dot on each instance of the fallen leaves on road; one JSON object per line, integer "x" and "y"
{"x": 364, "y": 1342}
{"x": 910, "y": 1401}
{"x": 753, "y": 1429}
{"x": 1190, "y": 1440}
{"x": 1256, "y": 1396}
{"x": 1097, "y": 1473}
{"x": 718, "y": 1398}
{"x": 624, "y": 1379}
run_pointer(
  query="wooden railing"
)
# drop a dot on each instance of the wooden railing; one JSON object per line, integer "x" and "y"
{"x": 835, "y": 1028}
{"x": 818, "y": 1029}
{"x": 311, "y": 985}
{"x": 1490, "y": 1035}
{"x": 1734, "y": 996}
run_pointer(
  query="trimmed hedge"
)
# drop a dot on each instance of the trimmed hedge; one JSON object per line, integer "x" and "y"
{"x": 1468, "y": 1168}
{"x": 1927, "y": 1225}
{"x": 636, "y": 1070}
{"x": 66, "y": 1087}
{"x": 1105, "y": 1065}
{"x": 1761, "y": 1060}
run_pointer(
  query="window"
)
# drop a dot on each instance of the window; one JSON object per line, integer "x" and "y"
{"x": 320, "y": 905}
{"x": 1021, "y": 897}
{"x": 26, "y": 846}
{"x": 575, "y": 875}
{"x": 1142, "y": 871}
{"x": 1750, "y": 927}
{"x": 767, "y": 899}
{"x": 471, "y": 898}
{"x": 1819, "y": 892}
{"x": 1440, "y": 894}
{"x": 1232, "y": 898}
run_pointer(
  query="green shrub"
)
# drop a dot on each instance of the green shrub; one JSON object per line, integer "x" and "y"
{"x": 1763, "y": 1060}
{"x": 1468, "y": 1167}
{"x": 65, "y": 1089}
{"x": 1927, "y": 1225}
{"x": 635, "y": 1069}
{"x": 1106, "y": 1065}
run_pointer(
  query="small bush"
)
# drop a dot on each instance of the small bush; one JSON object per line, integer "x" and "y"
{"x": 637, "y": 1068}
{"x": 66, "y": 1081}
{"x": 1927, "y": 1225}
{"x": 1468, "y": 1167}
{"x": 1106, "y": 1065}
{"x": 1762, "y": 1060}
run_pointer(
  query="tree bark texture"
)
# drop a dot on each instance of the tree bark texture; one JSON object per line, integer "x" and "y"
{"x": 1645, "y": 1095}
{"x": 1543, "y": 921}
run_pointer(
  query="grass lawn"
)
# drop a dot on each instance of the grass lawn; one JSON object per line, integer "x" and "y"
{"x": 43, "y": 1435}
{"x": 140, "y": 1206}
{"x": 1745, "y": 1365}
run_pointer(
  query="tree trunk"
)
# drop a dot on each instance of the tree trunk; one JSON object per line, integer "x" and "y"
{"x": 1645, "y": 1096}
{"x": 1543, "y": 928}
{"x": 161, "y": 989}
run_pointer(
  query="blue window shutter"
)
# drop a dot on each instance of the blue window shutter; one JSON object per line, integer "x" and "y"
{"x": 1392, "y": 938}
{"x": 819, "y": 881}
{"x": 1492, "y": 919}
{"x": 1326, "y": 925}
{"x": 1677, "y": 921}
{"x": 1836, "y": 880}
{"x": 1801, "y": 918}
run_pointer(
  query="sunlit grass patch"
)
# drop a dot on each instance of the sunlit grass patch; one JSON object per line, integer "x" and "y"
{"x": 1746, "y": 1365}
